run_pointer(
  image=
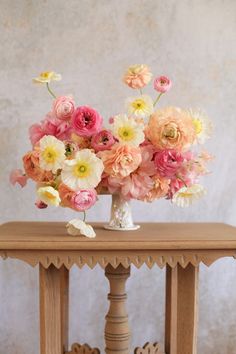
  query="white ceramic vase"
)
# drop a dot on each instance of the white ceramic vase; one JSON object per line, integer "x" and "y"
{"x": 121, "y": 215}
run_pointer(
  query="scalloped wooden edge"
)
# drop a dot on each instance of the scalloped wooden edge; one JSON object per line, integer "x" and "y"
{"x": 77, "y": 348}
{"x": 149, "y": 348}
{"x": 125, "y": 258}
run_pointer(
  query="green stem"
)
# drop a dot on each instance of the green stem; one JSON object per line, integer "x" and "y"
{"x": 84, "y": 218}
{"x": 157, "y": 99}
{"x": 50, "y": 91}
{"x": 141, "y": 92}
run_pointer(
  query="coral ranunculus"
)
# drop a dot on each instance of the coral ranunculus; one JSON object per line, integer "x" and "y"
{"x": 137, "y": 76}
{"x": 170, "y": 128}
{"x": 121, "y": 160}
{"x": 86, "y": 121}
{"x": 32, "y": 169}
{"x": 63, "y": 107}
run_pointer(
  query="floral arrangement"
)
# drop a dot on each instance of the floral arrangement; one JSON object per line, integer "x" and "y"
{"x": 144, "y": 153}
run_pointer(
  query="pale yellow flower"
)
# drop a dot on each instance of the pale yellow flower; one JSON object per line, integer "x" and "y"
{"x": 49, "y": 195}
{"x": 140, "y": 106}
{"x": 78, "y": 227}
{"x": 46, "y": 77}
{"x": 83, "y": 172}
{"x": 127, "y": 130}
{"x": 52, "y": 153}
{"x": 202, "y": 125}
{"x": 187, "y": 195}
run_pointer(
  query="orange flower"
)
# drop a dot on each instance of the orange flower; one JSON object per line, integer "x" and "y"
{"x": 121, "y": 160}
{"x": 32, "y": 169}
{"x": 170, "y": 128}
{"x": 160, "y": 189}
{"x": 65, "y": 194}
{"x": 137, "y": 76}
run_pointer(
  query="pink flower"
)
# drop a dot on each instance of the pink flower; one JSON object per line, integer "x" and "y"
{"x": 168, "y": 162}
{"x": 17, "y": 176}
{"x": 162, "y": 84}
{"x": 86, "y": 121}
{"x": 63, "y": 107}
{"x": 102, "y": 140}
{"x": 139, "y": 182}
{"x": 121, "y": 160}
{"x": 84, "y": 199}
{"x": 41, "y": 205}
{"x": 50, "y": 126}
{"x": 159, "y": 190}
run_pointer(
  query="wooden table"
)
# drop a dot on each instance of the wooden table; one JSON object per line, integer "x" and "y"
{"x": 179, "y": 247}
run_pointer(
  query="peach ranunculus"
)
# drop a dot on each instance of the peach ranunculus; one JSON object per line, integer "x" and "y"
{"x": 170, "y": 128}
{"x": 32, "y": 169}
{"x": 121, "y": 160}
{"x": 66, "y": 195}
{"x": 137, "y": 76}
{"x": 160, "y": 189}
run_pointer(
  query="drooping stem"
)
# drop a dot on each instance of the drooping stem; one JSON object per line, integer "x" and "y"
{"x": 50, "y": 91}
{"x": 157, "y": 99}
{"x": 84, "y": 218}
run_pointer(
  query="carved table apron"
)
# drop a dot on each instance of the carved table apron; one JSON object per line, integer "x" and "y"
{"x": 180, "y": 247}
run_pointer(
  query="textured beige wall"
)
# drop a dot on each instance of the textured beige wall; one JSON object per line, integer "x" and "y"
{"x": 90, "y": 43}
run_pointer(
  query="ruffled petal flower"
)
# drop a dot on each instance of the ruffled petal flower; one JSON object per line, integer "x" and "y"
{"x": 17, "y": 176}
{"x": 78, "y": 227}
{"x": 202, "y": 125}
{"x": 140, "y": 106}
{"x": 187, "y": 195}
{"x": 137, "y": 76}
{"x": 162, "y": 84}
{"x": 127, "y": 130}
{"x": 49, "y": 195}
{"x": 46, "y": 77}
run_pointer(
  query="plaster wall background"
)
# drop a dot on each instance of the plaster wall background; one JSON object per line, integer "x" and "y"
{"x": 91, "y": 43}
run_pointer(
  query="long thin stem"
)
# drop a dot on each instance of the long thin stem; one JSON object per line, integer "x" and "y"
{"x": 157, "y": 99}
{"x": 84, "y": 218}
{"x": 50, "y": 91}
{"x": 141, "y": 92}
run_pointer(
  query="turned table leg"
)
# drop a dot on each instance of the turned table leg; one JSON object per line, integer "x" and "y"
{"x": 54, "y": 285}
{"x": 181, "y": 310}
{"x": 117, "y": 333}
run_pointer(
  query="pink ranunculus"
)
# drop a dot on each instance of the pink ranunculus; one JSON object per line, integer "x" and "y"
{"x": 40, "y": 204}
{"x": 17, "y": 176}
{"x": 86, "y": 121}
{"x": 160, "y": 189}
{"x": 63, "y": 107}
{"x": 162, "y": 84}
{"x": 168, "y": 162}
{"x": 102, "y": 140}
{"x": 83, "y": 199}
{"x": 50, "y": 126}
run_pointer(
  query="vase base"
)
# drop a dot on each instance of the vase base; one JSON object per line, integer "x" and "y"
{"x": 116, "y": 228}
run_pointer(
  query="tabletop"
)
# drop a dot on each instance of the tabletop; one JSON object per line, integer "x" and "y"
{"x": 160, "y": 243}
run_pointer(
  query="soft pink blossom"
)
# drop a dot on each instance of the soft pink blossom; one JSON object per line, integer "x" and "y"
{"x": 102, "y": 140}
{"x": 50, "y": 126}
{"x": 159, "y": 190}
{"x": 120, "y": 160}
{"x": 168, "y": 162}
{"x": 137, "y": 76}
{"x": 17, "y": 176}
{"x": 162, "y": 84}
{"x": 83, "y": 199}
{"x": 86, "y": 121}
{"x": 139, "y": 182}
{"x": 63, "y": 107}
{"x": 40, "y": 204}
